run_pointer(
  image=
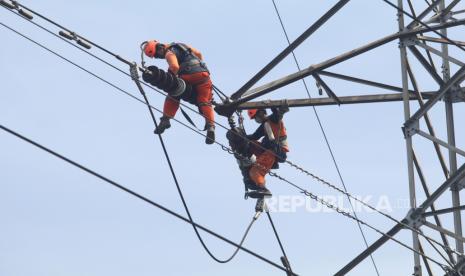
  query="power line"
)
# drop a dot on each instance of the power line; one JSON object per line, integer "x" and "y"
{"x": 135, "y": 194}
{"x": 234, "y": 153}
{"x": 292, "y": 164}
{"x": 345, "y": 192}
{"x": 301, "y": 169}
{"x": 297, "y": 167}
{"x": 161, "y": 140}
{"x": 349, "y": 199}
{"x": 286, "y": 260}
{"x": 307, "y": 193}
{"x": 325, "y": 137}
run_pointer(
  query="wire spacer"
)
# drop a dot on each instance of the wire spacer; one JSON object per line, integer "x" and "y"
{"x": 75, "y": 37}
{"x": 14, "y": 5}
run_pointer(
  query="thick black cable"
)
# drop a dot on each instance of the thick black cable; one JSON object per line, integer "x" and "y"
{"x": 278, "y": 239}
{"x": 328, "y": 145}
{"x": 135, "y": 194}
{"x": 116, "y": 68}
{"x": 161, "y": 141}
{"x": 241, "y": 243}
{"x": 153, "y": 88}
{"x": 129, "y": 191}
{"x": 272, "y": 174}
{"x": 167, "y": 95}
{"x": 175, "y": 179}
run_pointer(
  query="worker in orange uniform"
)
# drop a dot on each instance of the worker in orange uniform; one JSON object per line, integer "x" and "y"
{"x": 274, "y": 145}
{"x": 186, "y": 63}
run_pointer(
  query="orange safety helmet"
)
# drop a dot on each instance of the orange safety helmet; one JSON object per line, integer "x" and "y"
{"x": 150, "y": 48}
{"x": 252, "y": 113}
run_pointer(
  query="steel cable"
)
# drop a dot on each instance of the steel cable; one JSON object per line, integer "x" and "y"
{"x": 178, "y": 187}
{"x": 272, "y": 174}
{"x": 133, "y": 193}
{"x": 325, "y": 137}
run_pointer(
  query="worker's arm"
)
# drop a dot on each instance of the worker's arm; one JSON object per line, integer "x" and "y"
{"x": 259, "y": 133}
{"x": 196, "y": 52}
{"x": 172, "y": 62}
{"x": 278, "y": 113}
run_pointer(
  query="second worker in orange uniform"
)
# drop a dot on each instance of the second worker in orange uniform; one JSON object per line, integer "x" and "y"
{"x": 272, "y": 148}
{"x": 187, "y": 63}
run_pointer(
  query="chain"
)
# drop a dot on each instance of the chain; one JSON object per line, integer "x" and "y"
{"x": 350, "y": 216}
{"x": 301, "y": 170}
{"x": 338, "y": 210}
{"x": 321, "y": 180}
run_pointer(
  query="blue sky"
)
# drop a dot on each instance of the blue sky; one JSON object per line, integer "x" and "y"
{"x": 57, "y": 220}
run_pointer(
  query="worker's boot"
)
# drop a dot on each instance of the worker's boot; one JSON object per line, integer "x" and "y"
{"x": 210, "y": 139}
{"x": 251, "y": 185}
{"x": 264, "y": 191}
{"x": 164, "y": 124}
{"x": 260, "y": 192}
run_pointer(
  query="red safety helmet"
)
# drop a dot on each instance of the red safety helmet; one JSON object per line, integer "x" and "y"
{"x": 252, "y": 113}
{"x": 150, "y": 48}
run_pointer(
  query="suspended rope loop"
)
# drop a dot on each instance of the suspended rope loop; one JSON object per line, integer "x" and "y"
{"x": 135, "y": 77}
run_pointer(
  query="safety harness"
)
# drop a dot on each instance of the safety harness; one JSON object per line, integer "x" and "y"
{"x": 189, "y": 63}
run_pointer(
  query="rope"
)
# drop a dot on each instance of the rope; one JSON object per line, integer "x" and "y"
{"x": 173, "y": 174}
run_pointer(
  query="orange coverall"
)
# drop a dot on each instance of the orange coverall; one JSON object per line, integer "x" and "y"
{"x": 266, "y": 158}
{"x": 200, "y": 81}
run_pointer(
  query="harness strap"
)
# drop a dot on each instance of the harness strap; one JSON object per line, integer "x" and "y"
{"x": 189, "y": 119}
{"x": 204, "y": 104}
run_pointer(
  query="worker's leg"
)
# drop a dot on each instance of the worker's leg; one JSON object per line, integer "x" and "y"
{"x": 261, "y": 167}
{"x": 171, "y": 107}
{"x": 255, "y": 148}
{"x": 169, "y": 110}
{"x": 204, "y": 100}
{"x": 203, "y": 86}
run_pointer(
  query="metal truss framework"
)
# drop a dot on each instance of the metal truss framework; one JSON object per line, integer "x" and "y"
{"x": 437, "y": 18}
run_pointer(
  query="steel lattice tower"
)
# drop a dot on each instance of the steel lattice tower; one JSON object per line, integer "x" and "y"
{"x": 427, "y": 28}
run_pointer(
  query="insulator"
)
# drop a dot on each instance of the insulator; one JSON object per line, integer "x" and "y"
{"x": 66, "y": 35}
{"x": 168, "y": 82}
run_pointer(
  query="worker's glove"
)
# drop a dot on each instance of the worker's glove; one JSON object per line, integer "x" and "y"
{"x": 171, "y": 72}
{"x": 275, "y": 147}
{"x": 149, "y": 74}
{"x": 284, "y": 107}
{"x": 270, "y": 145}
{"x": 250, "y": 137}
